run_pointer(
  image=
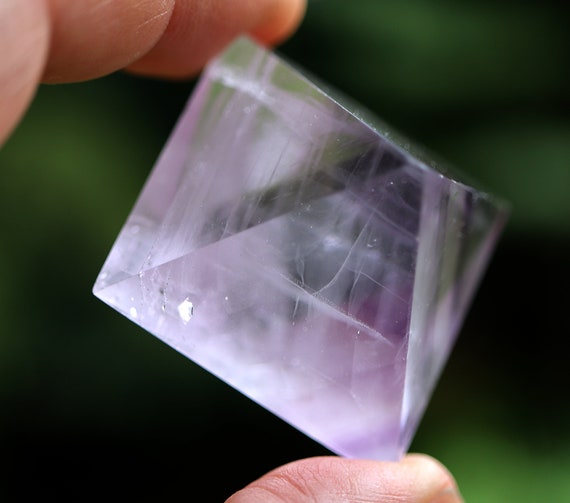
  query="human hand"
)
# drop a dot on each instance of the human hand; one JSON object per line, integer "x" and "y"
{"x": 416, "y": 479}
{"x": 56, "y": 41}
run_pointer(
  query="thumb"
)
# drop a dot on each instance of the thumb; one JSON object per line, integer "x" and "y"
{"x": 415, "y": 479}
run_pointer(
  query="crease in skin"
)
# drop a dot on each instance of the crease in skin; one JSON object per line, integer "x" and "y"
{"x": 157, "y": 38}
{"x": 74, "y": 41}
{"x": 167, "y": 12}
{"x": 209, "y": 27}
{"x": 416, "y": 479}
{"x": 152, "y": 19}
{"x": 93, "y": 38}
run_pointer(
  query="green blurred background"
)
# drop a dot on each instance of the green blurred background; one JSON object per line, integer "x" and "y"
{"x": 92, "y": 406}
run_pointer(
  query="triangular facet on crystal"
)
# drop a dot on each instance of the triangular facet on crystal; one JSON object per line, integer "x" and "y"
{"x": 303, "y": 255}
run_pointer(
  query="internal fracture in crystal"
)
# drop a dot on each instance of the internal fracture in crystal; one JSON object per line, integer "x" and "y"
{"x": 303, "y": 254}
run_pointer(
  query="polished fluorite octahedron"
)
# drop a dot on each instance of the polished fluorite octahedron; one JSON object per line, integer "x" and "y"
{"x": 304, "y": 254}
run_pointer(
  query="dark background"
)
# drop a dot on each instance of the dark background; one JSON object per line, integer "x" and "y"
{"x": 91, "y": 406}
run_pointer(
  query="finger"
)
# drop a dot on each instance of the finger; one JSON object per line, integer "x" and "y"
{"x": 199, "y": 29}
{"x": 167, "y": 38}
{"x": 416, "y": 479}
{"x": 24, "y": 39}
{"x": 92, "y": 38}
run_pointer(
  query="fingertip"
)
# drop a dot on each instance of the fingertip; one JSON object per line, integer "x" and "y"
{"x": 433, "y": 479}
{"x": 159, "y": 38}
{"x": 24, "y": 40}
{"x": 285, "y": 21}
{"x": 198, "y": 31}
{"x": 93, "y": 38}
{"x": 416, "y": 479}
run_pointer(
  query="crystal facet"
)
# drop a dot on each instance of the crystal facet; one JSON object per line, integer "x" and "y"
{"x": 304, "y": 254}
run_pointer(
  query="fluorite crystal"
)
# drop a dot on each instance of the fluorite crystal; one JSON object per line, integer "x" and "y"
{"x": 303, "y": 253}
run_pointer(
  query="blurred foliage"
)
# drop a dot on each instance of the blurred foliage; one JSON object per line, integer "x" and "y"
{"x": 90, "y": 401}
{"x": 484, "y": 84}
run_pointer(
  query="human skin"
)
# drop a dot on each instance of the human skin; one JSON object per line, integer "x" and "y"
{"x": 57, "y": 41}
{"x": 416, "y": 479}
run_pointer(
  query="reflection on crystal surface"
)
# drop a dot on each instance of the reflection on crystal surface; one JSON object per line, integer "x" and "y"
{"x": 299, "y": 254}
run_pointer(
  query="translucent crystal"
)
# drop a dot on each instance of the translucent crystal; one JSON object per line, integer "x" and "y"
{"x": 304, "y": 254}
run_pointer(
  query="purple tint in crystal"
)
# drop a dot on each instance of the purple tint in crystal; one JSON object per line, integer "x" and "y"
{"x": 306, "y": 256}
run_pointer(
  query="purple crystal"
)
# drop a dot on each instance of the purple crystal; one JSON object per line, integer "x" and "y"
{"x": 303, "y": 254}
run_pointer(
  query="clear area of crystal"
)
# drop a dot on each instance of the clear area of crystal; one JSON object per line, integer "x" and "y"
{"x": 302, "y": 255}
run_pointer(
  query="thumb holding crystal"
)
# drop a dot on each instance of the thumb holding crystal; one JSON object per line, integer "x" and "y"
{"x": 416, "y": 479}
